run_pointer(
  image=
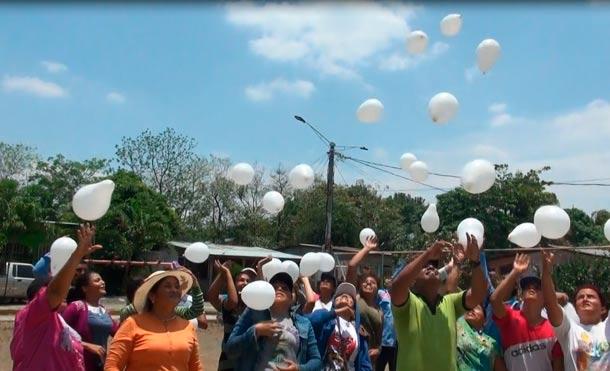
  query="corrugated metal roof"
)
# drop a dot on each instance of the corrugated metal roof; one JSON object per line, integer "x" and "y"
{"x": 239, "y": 251}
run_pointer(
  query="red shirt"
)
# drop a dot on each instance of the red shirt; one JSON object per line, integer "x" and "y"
{"x": 527, "y": 347}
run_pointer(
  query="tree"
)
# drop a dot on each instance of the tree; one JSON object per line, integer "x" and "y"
{"x": 601, "y": 217}
{"x": 57, "y": 179}
{"x": 19, "y": 217}
{"x": 568, "y": 276}
{"x": 164, "y": 161}
{"x": 583, "y": 230}
{"x": 16, "y": 161}
{"x": 139, "y": 219}
{"x": 512, "y": 200}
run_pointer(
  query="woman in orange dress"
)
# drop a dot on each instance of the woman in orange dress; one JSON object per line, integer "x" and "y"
{"x": 156, "y": 338}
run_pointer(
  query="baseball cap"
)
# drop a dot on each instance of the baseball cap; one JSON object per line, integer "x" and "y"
{"x": 282, "y": 277}
{"x": 529, "y": 277}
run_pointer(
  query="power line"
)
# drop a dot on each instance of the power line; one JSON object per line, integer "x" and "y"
{"x": 579, "y": 184}
{"x": 392, "y": 173}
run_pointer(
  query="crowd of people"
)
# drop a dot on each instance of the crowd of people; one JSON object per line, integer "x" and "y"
{"x": 419, "y": 320}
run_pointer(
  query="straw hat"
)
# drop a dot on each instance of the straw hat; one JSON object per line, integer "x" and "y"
{"x": 139, "y": 299}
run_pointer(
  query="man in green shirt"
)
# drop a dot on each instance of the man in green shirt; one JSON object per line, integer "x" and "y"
{"x": 426, "y": 321}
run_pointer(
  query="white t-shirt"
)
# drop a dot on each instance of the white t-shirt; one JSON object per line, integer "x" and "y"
{"x": 585, "y": 347}
{"x": 321, "y": 305}
{"x": 342, "y": 347}
{"x": 95, "y": 310}
{"x": 570, "y": 312}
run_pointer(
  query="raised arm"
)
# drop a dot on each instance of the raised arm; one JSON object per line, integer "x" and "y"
{"x": 520, "y": 265}
{"x": 478, "y": 284}
{"x": 223, "y": 277}
{"x": 352, "y": 266}
{"x": 310, "y": 295}
{"x": 553, "y": 309}
{"x": 60, "y": 284}
{"x": 403, "y": 281}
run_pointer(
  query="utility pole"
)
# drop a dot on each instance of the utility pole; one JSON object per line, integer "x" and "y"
{"x": 330, "y": 182}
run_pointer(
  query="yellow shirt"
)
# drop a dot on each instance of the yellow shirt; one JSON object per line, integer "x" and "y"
{"x": 145, "y": 343}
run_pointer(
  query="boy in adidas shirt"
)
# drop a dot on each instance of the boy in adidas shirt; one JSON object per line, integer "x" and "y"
{"x": 528, "y": 339}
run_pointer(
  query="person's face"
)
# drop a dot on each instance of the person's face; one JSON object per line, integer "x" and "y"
{"x": 168, "y": 292}
{"x": 96, "y": 286}
{"x": 283, "y": 294}
{"x": 532, "y": 294}
{"x": 369, "y": 286}
{"x": 475, "y": 317}
{"x": 588, "y": 306}
{"x": 327, "y": 287}
{"x": 241, "y": 281}
{"x": 344, "y": 300}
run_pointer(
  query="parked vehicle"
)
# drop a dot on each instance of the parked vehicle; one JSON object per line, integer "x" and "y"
{"x": 14, "y": 280}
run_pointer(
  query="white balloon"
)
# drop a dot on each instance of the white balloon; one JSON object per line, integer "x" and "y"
{"x": 406, "y": 160}
{"x": 365, "y": 234}
{"x": 430, "y": 220}
{"x": 61, "y": 250}
{"x": 473, "y": 227}
{"x": 301, "y": 176}
{"x": 607, "y": 230}
{"x": 241, "y": 173}
{"x": 417, "y": 41}
{"x": 478, "y": 176}
{"x": 310, "y": 263}
{"x": 197, "y": 252}
{"x": 273, "y": 202}
{"x": 419, "y": 171}
{"x": 552, "y": 221}
{"x": 525, "y": 235}
{"x": 291, "y": 268}
{"x": 258, "y": 295}
{"x": 488, "y": 53}
{"x": 327, "y": 262}
{"x": 443, "y": 107}
{"x": 271, "y": 268}
{"x": 92, "y": 201}
{"x": 451, "y": 25}
{"x": 370, "y": 111}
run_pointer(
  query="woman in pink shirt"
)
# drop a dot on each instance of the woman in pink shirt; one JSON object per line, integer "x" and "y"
{"x": 41, "y": 338}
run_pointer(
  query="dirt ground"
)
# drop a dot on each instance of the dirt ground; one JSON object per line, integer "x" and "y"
{"x": 209, "y": 345}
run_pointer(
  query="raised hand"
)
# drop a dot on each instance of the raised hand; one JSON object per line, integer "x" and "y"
{"x": 259, "y": 266}
{"x": 548, "y": 260}
{"x": 472, "y": 248}
{"x": 346, "y": 313}
{"x": 85, "y": 235}
{"x": 521, "y": 263}
{"x": 188, "y": 271}
{"x": 458, "y": 254}
{"x": 436, "y": 249}
{"x": 371, "y": 243}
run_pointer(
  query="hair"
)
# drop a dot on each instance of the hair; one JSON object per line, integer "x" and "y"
{"x": 327, "y": 276}
{"x": 36, "y": 285}
{"x": 132, "y": 287}
{"x": 81, "y": 282}
{"x": 602, "y": 298}
{"x": 365, "y": 275}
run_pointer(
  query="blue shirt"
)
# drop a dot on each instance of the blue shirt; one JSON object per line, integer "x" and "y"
{"x": 388, "y": 333}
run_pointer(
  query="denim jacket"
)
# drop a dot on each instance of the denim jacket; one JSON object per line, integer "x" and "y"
{"x": 324, "y": 322}
{"x": 243, "y": 347}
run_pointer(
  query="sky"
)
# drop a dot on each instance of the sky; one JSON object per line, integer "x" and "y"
{"x": 74, "y": 79}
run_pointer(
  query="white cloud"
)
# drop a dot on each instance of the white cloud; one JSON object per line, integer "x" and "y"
{"x": 267, "y": 90}
{"x": 501, "y": 119}
{"x": 33, "y": 86}
{"x": 331, "y": 38}
{"x": 497, "y": 108}
{"x": 115, "y": 97}
{"x": 402, "y": 61}
{"x": 54, "y": 67}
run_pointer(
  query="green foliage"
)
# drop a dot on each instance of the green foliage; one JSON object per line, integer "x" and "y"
{"x": 570, "y": 275}
{"x": 512, "y": 200}
{"x": 583, "y": 230}
{"x": 138, "y": 220}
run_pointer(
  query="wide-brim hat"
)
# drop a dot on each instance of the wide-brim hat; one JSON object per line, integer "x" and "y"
{"x": 139, "y": 299}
